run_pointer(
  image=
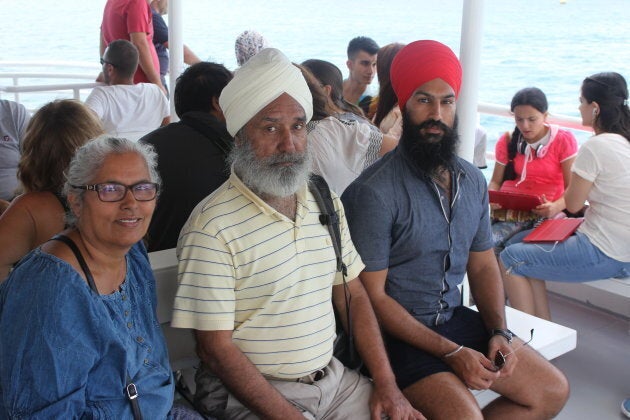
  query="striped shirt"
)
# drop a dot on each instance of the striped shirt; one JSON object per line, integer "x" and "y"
{"x": 245, "y": 267}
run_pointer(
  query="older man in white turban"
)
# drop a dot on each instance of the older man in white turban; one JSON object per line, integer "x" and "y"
{"x": 258, "y": 275}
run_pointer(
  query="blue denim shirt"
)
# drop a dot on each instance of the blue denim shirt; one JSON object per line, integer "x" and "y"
{"x": 65, "y": 350}
{"x": 398, "y": 222}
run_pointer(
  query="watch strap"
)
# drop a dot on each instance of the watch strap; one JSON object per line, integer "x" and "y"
{"x": 505, "y": 333}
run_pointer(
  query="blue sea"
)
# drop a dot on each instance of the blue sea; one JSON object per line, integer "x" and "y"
{"x": 551, "y": 44}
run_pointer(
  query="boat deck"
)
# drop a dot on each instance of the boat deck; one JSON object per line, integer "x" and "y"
{"x": 599, "y": 368}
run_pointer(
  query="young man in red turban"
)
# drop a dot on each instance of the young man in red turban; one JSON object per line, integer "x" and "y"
{"x": 420, "y": 221}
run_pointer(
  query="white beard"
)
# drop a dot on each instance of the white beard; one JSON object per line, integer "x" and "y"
{"x": 263, "y": 176}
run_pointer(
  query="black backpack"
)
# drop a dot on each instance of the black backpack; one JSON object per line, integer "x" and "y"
{"x": 343, "y": 349}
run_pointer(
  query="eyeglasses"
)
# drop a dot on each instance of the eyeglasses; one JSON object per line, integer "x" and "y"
{"x": 107, "y": 62}
{"x": 114, "y": 191}
{"x": 500, "y": 358}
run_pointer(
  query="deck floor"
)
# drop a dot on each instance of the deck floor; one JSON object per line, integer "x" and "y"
{"x": 599, "y": 368}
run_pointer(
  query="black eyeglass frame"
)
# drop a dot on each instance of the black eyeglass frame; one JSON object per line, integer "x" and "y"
{"x": 99, "y": 187}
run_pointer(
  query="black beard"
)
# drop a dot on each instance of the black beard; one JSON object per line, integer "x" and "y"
{"x": 429, "y": 152}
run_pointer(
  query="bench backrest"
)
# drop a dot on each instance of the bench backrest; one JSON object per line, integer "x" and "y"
{"x": 180, "y": 342}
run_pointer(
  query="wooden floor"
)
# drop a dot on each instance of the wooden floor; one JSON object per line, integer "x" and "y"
{"x": 599, "y": 368}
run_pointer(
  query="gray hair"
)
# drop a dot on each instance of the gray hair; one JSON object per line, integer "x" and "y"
{"x": 90, "y": 157}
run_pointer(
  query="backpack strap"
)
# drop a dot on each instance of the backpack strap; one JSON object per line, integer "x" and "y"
{"x": 328, "y": 217}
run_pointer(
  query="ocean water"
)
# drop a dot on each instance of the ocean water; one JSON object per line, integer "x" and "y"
{"x": 550, "y": 44}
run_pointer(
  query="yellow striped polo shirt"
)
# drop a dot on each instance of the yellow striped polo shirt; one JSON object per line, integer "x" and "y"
{"x": 245, "y": 267}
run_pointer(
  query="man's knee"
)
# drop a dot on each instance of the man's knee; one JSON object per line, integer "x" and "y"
{"x": 443, "y": 396}
{"x": 554, "y": 394}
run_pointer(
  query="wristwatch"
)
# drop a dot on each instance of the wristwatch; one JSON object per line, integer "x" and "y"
{"x": 507, "y": 334}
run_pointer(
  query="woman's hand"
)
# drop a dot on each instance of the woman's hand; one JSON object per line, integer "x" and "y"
{"x": 549, "y": 209}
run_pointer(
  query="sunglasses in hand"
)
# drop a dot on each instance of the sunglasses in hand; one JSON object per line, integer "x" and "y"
{"x": 500, "y": 358}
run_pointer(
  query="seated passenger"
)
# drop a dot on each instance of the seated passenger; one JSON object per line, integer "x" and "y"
{"x": 331, "y": 80}
{"x": 78, "y": 314}
{"x": 535, "y": 155}
{"x": 127, "y": 110}
{"x": 248, "y": 44}
{"x": 342, "y": 143}
{"x": 420, "y": 221}
{"x": 13, "y": 120}
{"x": 192, "y": 153}
{"x": 257, "y": 272}
{"x": 387, "y": 116}
{"x": 56, "y": 130}
{"x": 599, "y": 249}
{"x": 362, "y": 68}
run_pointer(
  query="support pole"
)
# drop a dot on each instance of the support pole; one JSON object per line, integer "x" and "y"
{"x": 175, "y": 48}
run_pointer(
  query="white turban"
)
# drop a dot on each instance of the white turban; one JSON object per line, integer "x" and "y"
{"x": 260, "y": 81}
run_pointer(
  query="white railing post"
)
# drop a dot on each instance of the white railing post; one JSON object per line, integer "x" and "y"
{"x": 16, "y": 95}
{"x": 470, "y": 58}
{"x": 175, "y": 48}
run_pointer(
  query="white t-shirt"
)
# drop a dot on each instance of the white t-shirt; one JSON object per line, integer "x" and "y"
{"x": 342, "y": 149}
{"x": 604, "y": 160}
{"x": 129, "y": 111}
{"x": 13, "y": 121}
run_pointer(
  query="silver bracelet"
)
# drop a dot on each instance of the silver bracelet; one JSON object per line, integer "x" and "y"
{"x": 447, "y": 355}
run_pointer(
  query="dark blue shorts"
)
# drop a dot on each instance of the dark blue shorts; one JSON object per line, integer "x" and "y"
{"x": 411, "y": 364}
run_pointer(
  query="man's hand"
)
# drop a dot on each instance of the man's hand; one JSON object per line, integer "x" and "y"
{"x": 388, "y": 402}
{"x": 498, "y": 343}
{"x": 473, "y": 368}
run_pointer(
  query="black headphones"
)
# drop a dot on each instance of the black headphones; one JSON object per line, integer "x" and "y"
{"x": 522, "y": 146}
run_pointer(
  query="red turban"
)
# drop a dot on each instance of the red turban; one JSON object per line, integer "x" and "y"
{"x": 419, "y": 63}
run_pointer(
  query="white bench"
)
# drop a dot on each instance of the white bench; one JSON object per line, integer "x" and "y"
{"x": 611, "y": 295}
{"x": 550, "y": 339}
{"x": 180, "y": 342}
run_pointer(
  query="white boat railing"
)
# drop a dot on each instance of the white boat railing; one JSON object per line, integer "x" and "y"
{"x": 77, "y": 72}
{"x": 504, "y": 111}
{"x": 67, "y": 77}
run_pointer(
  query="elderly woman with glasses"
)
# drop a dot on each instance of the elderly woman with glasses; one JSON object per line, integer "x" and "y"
{"x": 78, "y": 314}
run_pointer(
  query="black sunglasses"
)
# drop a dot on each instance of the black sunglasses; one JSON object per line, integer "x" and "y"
{"x": 107, "y": 62}
{"x": 500, "y": 358}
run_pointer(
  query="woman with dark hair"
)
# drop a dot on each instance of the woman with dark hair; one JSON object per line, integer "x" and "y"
{"x": 54, "y": 133}
{"x": 342, "y": 143}
{"x": 599, "y": 249}
{"x": 331, "y": 80}
{"x": 536, "y": 157}
{"x": 387, "y": 117}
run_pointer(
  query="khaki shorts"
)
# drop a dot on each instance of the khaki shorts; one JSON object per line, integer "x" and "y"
{"x": 340, "y": 394}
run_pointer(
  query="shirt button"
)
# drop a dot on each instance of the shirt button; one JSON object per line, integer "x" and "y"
{"x": 124, "y": 297}
{"x": 129, "y": 324}
{"x": 126, "y": 313}
{"x": 146, "y": 361}
{"x": 139, "y": 339}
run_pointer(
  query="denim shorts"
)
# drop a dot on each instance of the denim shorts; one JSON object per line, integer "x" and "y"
{"x": 575, "y": 260}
